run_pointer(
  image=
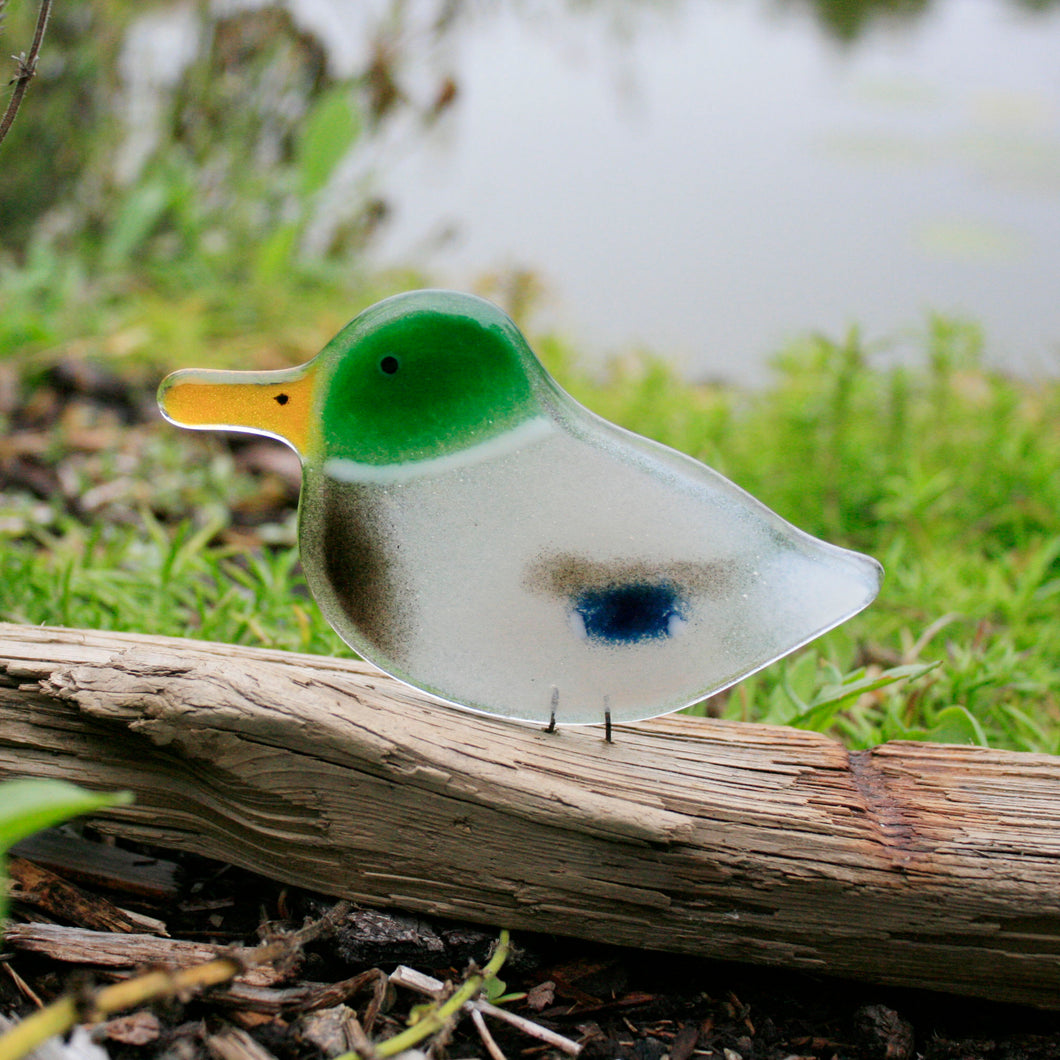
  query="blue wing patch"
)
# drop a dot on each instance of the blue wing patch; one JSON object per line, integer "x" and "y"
{"x": 630, "y": 613}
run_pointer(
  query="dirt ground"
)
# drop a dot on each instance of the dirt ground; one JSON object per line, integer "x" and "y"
{"x": 612, "y": 1002}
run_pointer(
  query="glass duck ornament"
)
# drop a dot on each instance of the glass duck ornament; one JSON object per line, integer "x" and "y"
{"x": 469, "y": 528}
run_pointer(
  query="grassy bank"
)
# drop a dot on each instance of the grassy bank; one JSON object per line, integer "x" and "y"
{"x": 948, "y": 474}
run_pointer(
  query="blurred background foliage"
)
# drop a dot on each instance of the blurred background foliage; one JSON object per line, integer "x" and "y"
{"x": 210, "y": 137}
{"x": 197, "y": 138}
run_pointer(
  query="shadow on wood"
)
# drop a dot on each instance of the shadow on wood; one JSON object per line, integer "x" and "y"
{"x": 913, "y": 864}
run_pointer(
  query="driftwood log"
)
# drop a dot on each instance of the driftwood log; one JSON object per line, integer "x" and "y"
{"x": 920, "y": 865}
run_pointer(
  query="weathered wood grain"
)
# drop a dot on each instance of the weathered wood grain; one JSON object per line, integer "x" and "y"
{"x": 920, "y": 865}
{"x": 108, "y": 949}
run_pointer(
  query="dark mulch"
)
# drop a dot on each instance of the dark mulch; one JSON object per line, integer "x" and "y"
{"x": 617, "y": 1003}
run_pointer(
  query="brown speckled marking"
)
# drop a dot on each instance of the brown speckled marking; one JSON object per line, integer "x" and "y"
{"x": 567, "y": 575}
{"x": 359, "y": 562}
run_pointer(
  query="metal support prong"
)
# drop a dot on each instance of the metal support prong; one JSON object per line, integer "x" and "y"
{"x": 607, "y": 719}
{"x": 551, "y": 727}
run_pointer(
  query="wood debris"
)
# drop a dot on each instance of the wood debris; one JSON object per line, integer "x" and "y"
{"x": 43, "y": 889}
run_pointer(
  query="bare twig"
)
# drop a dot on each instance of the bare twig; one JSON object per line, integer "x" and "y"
{"x": 359, "y": 1040}
{"x": 484, "y": 1033}
{"x": 23, "y": 987}
{"x": 437, "y": 1021}
{"x": 535, "y": 1030}
{"x": 26, "y": 68}
{"x": 434, "y": 988}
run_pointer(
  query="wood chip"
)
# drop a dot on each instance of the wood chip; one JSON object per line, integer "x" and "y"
{"x": 541, "y": 996}
{"x": 685, "y": 1042}
{"x": 138, "y": 1028}
{"x": 327, "y": 1030}
{"x": 57, "y": 897}
{"x": 235, "y": 1044}
{"x": 409, "y": 978}
{"x": 98, "y": 865}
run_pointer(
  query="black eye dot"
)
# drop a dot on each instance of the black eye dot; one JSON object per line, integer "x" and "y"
{"x": 389, "y": 365}
{"x": 282, "y": 399}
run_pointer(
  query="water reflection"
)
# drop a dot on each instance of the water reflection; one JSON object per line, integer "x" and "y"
{"x": 724, "y": 179}
{"x": 846, "y": 20}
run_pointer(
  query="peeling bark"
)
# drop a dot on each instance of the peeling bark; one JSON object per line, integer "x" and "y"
{"x": 913, "y": 864}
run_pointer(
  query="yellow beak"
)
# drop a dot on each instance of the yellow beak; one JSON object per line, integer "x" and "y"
{"x": 274, "y": 403}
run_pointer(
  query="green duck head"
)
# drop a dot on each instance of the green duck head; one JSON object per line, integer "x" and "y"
{"x": 416, "y": 377}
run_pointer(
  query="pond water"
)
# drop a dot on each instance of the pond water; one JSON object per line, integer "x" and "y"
{"x": 708, "y": 179}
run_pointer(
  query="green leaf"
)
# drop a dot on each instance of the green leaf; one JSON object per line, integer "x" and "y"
{"x": 835, "y": 697}
{"x": 276, "y": 253}
{"x": 799, "y": 679}
{"x": 956, "y": 725}
{"x": 329, "y": 131}
{"x": 495, "y": 989}
{"x": 135, "y": 221}
{"x": 507, "y": 999}
{"x": 27, "y": 806}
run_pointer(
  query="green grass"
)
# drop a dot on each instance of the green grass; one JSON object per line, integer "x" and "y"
{"x": 948, "y": 474}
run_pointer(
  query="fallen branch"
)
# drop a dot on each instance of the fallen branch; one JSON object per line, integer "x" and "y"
{"x": 104, "y": 949}
{"x": 919, "y": 865}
